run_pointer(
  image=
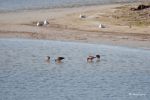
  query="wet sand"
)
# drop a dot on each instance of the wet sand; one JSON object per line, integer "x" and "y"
{"x": 65, "y": 25}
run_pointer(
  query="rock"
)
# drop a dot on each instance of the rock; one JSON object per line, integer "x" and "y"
{"x": 140, "y": 7}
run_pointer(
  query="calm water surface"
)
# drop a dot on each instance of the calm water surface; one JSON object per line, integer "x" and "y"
{"x": 122, "y": 74}
{"x": 10, "y": 5}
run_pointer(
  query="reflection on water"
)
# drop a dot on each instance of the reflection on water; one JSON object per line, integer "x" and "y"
{"x": 122, "y": 73}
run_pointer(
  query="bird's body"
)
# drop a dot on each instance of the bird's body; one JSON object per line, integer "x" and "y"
{"x": 82, "y": 16}
{"x": 101, "y": 26}
{"x": 59, "y": 59}
{"x": 40, "y": 23}
{"x": 90, "y": 58}
{"x": 46, "y": 22}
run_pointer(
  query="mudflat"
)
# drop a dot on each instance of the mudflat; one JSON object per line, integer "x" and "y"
{"x": 121, "y": 26}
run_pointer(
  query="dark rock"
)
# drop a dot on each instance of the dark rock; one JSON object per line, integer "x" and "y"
{"x": 140, "y": 7}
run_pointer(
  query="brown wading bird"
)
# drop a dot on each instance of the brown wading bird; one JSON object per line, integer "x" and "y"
{"x": 59, "y": 59}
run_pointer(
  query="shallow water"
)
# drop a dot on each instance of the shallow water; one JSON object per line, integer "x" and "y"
{"x": 122, "y": 74}
{"x": 10, "y": 5}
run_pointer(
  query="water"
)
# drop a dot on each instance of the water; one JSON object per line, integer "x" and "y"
{"x": 10, "y": 5}
{"x": 122, "y": 74}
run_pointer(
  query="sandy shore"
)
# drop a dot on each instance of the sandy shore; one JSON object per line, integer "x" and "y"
{"x": 65, "y": 25}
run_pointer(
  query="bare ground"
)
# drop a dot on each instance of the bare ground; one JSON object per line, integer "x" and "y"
{"x": 65, "y": 25}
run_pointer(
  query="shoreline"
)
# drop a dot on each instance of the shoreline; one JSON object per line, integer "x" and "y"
{"x": 141, "y": 44}
{"x": 65, "y": 6}
{"x": 66, "y": 26}
{"x": 75, "y": 42}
